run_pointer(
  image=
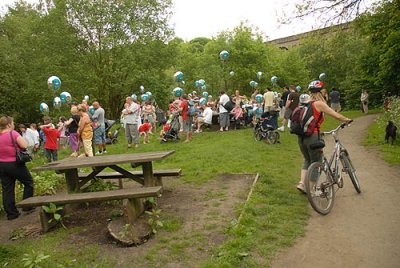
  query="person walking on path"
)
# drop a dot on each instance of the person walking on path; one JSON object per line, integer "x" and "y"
{"x": 320, "y": 108}
{"x": 10, "y": 170}
{"x": 364, "y": 101}
{"x": 100, "y": 131}
{"x": 223, "y": 113}
{"x": 85, "y": 131}
{"x": 334, "y": 96}
{"x": 291, "y": 103}
{"x": 131, "y": 114}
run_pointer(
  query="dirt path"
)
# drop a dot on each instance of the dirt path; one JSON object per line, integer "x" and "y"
{"x": 362, "y": 230}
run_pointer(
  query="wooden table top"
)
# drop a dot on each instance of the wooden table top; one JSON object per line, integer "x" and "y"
{"x": 104, "y": 160}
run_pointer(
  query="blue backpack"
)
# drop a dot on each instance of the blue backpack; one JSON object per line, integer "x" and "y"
{"x": 191, "y": 111}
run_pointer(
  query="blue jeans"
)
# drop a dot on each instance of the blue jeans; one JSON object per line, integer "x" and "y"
{"x": 51, "y": 155}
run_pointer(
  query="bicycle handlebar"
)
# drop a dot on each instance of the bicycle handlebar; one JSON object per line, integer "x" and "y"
{"x": 342, "y": 125}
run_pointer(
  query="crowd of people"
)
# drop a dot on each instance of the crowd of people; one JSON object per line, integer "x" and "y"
{"x": 83, "y": 129}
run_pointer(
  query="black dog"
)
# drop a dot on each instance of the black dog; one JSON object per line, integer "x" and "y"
{"x": 391, "y": 130}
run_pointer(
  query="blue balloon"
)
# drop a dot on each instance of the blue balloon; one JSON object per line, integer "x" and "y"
{"x": 149, "y": 93}
{"x": 134, "y": 97}
{"x": 178, "y": 76}
{"x": 322, "y": 76}
{"x": 178, "y": 92}
{"x": 142, "y": 88}
{"x": 145, "y": 97}
{"x": 253, "y": 84}
{"x": 231, "y": 73}
{"x": 274, "y": 79}
{"x": 202, "y": 82}
{"x": 298, "y": 88}
{"x": 224, "y": 55}
{"x": 65, "y": 97}
{"x": 197, "y": 84}
{"x": 259, "y": 74}
{"x": 54, "y": 82}
{"x": 44, "y": 108}
{"x": 203, "y": 101}
{"x": 91, "y": 110}
{"x": 259, "y": 98}
{"x": 205, "y": 94}
{"x": 204, "y": 87}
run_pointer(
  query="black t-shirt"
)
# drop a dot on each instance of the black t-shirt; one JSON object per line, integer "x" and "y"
{"x": 284, "y": 97}
{"x": 73, "y": 127}
{"x": 294, "y": 98}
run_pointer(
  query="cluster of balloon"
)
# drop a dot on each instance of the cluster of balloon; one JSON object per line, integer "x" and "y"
{"x": 54, "y": 82}
{"x": 224, "y": 55}
{"x": 146, "y": 96}
{"x": 57, "y": 102}
{"x": 178, "y": 76}
{"x": 86, "y": 98}
{"x": 134, "y": 97}
{"x": 142, "y": 89}
{"x": 205, "y": 94}
{"x": 298, "y": 88}
{"x": 259, "y": 98}
{"x": 203, "y": 101}
{"x": 259, "y": 74}
{"x": 65, "y": 97}
{"x": 44, "y": 108}
{"x": 91, "y": 110}
{"x": 178, "y": 92}
{"x": 322, "y": 76}
{"x": 231, "y": 73}
{"x": 253, "y": 84}
{"x": 274, "y": 79}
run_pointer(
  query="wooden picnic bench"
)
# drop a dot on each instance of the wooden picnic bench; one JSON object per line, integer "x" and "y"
{"x": 133, "y": 204}
{"x": 136, "y": 175}
{"x": 75, "y": 182}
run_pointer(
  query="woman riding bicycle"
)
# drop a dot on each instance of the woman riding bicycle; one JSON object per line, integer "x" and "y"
{"x": 319, "y": 106}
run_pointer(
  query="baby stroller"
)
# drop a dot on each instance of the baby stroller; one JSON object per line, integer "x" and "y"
{"x": 111, "y": 138}
{"x": 172, "y": 133}
{"x": 266, "y": 128}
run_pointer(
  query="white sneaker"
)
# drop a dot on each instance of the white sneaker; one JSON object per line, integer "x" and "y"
{"x": 282, "y": 128}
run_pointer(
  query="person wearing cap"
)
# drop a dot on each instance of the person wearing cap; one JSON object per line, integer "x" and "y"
{"x": 320, "y": 108}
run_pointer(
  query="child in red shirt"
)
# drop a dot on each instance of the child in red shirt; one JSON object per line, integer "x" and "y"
{"x": 144, "y": 130}
{"x": 51, "y": 143}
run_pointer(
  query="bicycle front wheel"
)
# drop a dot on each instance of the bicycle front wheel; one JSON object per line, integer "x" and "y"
{"x": 351, "y": 171}
{"x": 320, "y": 188}
{"x": 258, "y": 135}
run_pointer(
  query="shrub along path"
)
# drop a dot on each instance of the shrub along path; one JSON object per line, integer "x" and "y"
{"x": 362, "y": 230}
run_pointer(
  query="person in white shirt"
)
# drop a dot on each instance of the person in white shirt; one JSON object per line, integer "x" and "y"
{"x": 29, "y": 136}
{"x": 268, "y": 100}
{"x": 131, "y": 114}
{"x": 223, "y": 113}
{"x": 205, "y": 119}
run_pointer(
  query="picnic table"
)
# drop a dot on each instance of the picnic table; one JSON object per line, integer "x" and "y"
{"x": 75, "y": 182}
{"x": 133, "y": 197}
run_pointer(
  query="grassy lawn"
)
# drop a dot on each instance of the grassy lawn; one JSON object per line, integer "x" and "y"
{"x": 276, "y": 214}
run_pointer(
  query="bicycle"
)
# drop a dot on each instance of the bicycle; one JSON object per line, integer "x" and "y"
{"x": 265, "y": 128}
{"x": 321, "y": 177}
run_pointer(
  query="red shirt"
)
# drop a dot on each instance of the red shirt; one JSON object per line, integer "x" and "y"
{"x": 184, "y": 112}
{"x": 144, "y": 127}
{"x": 316, "y": 116}
{"x": 52, "y": 136}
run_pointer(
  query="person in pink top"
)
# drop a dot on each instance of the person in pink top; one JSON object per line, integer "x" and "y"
{"x": 10, "y": 170}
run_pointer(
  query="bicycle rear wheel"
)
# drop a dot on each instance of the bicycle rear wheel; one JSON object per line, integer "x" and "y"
{"x": 320, "y": 188}
{"x": 351, "y": 171}
{"x": 273, "y": 137}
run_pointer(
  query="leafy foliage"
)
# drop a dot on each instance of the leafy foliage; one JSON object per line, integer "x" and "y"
{"x": 34, "y": 259}
{"x": 54, "y": 211}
